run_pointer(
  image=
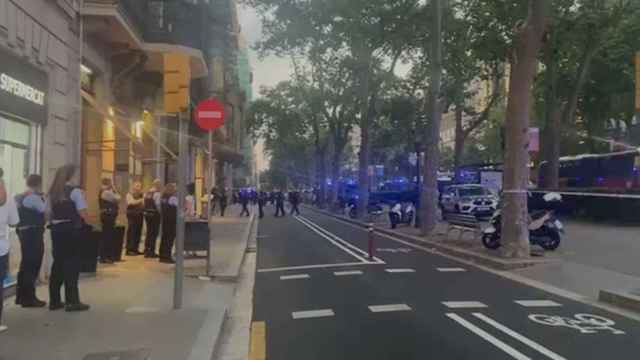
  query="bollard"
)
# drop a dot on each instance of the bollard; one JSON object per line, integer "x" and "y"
{"x": 370, "y": 232}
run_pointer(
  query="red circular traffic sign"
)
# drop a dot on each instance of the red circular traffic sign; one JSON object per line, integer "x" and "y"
{"x": 209, "y": 114}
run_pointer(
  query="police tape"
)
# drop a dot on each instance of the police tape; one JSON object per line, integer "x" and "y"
{"x": 571, "y": 193}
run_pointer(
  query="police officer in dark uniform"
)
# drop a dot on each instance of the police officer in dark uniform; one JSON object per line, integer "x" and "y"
{"x": 31, "y": 209}
{"x": 68, "y": 208}
{"x": 108, "y": 200}
{"x": 135, "y": 218}
{"x": 169, "y": 206}
{"x": 244, "y": 201}
{"x": 152, "y": 218}
{"x": 279, "y": 199}
{"x": 294, "y": 200}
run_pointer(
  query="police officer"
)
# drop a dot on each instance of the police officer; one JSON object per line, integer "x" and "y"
{"x": 68, "y": 208}
{"x": 279, "y": 199}
{"x": 31, "y": 208}
{"x": 244, "y": 200}
{"x": 262, "y": 200}
{"x": 169, "y": 206}
{"x": 152, "y": 218}
{"x": 108, "y": 201}
{"x": 222, "y": 201}
{"x": 135, "y": 215}
{"x": 294, "y": 200}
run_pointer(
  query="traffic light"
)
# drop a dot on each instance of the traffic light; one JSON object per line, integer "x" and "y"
{"x": 177, "y": 77}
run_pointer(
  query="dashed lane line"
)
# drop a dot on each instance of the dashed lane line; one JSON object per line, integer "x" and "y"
{"x": 464, "y": 304}
{"x": 295, "y": 277}
{"x": 394, "y": 271}
{"x": 309, "y": 314}
{"x": 530, "y": 343}
{"x": 452, "y": 269}
{"x": 537, "y": 303}
{"x": 389, "y": 308}
{"x": 315, "y": 266}
{"x": 348, "y": 273}
{"x": 488, "y": 337}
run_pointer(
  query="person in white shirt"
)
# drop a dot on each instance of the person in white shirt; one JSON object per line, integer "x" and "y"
{"x": 8, "y": 217}
{"x": 135, "y": 217}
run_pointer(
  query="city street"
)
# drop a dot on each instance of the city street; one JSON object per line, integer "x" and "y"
{"x": 319, "y": 297}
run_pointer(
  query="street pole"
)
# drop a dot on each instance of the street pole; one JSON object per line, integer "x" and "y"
{"x": 417, "y": 212}
{"x": 180, "y": 221}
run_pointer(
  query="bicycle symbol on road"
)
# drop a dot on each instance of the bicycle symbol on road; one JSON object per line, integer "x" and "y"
{"x": 585, "y": 323}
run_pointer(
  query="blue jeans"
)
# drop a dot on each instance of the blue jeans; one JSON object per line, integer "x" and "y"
{"x": 4, "y": 263}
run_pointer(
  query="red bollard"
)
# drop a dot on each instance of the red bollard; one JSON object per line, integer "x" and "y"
{"x": 370, "y": 231}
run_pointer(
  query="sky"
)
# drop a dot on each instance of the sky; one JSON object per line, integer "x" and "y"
{"x": 266, "y": 72}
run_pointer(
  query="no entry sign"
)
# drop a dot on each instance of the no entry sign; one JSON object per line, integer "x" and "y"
{"x": 209, "y": 114}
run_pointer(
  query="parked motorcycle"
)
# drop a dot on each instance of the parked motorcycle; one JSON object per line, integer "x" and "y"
{"x": 401, "y": 215}
{"x": 545, "y": 229}
{"x": 372, "y": 209}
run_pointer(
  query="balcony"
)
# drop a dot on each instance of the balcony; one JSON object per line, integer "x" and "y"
{"x": 152, "y": 26}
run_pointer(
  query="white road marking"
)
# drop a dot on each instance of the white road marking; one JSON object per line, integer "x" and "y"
{"x": 453, "y": 269}
{"x": 393, "y": 271}
{"x": 294, "y": 277}
{"x": 532, "y": 344}
{"x": 463, "y": 304}
{"x": 316, "y": 266}
{"x": 312, "y": 314}
{"x": 347, "y": 273}
{"x": 389, "y": 308}
{"x": 538, "y": 303}
{"x": 141, "y": 310}
{"x": 339, "y": 239}
{"x": 334, "y": 242}
{"x": 488, "y": 337}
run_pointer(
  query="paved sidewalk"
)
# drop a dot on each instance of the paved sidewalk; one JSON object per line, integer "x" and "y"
{"x": 131, "y": 311}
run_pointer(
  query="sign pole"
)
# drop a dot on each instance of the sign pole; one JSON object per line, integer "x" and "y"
{"x": 180, "y": 221}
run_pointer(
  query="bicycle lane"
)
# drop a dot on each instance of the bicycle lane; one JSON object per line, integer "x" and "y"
{"x": 532, "y": 321}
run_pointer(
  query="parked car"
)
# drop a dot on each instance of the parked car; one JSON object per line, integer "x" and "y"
{"x": 470, "y": 199}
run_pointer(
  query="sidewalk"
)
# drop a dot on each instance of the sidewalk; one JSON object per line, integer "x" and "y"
{"x": 131, "y": 310}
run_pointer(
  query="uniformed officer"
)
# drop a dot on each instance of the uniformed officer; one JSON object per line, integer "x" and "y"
{"x": 169, "y": 206}
{"x": 31, "y": 208}
{"x": 108, "y": 200}
{"x": 135, "y": 217}
{"x": 152, "y": 218}
{"x": 68, "y": 208}
{"x": 294, "y": 200}
{"x": 279, "y": 199}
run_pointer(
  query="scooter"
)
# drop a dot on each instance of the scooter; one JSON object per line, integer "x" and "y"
{"x": 372, "y": 209}
{"x": 545, "y": 229}
{"x": 400, "y": 215}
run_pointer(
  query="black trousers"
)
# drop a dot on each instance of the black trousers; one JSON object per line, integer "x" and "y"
{"x": 261, "y": 210}
{"x": 134, "y": 231}
{"x": 222, "y": 208}
{"x": 279, "y": 209}
{"x": 65, "y": 270}
{"x": 108, "y": 248}
{"x": 294, "y": 208}
{"x": 151, "y": 236}
{"x": 32, "y": 249}
{"x": 4, "y": 263}
{"x": 168, "y": 237}
{"x": 245, "y": 210}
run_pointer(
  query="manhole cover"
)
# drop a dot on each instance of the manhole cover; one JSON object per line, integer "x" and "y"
{"x": 140, "y": 354}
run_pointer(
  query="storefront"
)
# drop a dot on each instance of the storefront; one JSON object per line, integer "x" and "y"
{"x": 23, "y": 114}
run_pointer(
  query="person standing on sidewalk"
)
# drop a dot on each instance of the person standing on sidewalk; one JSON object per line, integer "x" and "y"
{"x": 244, "y": 200}
{"x": 279, "y": 198}
{"x": 222, "y": 201}
{"x": 152, "y": 218}
{"x": 135, "y": 211}
{"x": 108, "y": 201}
{"x": 31, "y": 209}
{"x": 294, "y": 199}
{"x": 190, "y": 202}
{"x": 8, "y": 217}
{"x": 68, "y": 208}
{"x": 169, "y": 206}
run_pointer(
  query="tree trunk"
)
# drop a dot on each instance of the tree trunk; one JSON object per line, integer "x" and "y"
{"x": 364, "y": 69}
{"x": 429, "y": 195}
{"x": 321, "y": 175}
{"x": 550, "y": 133}
{"x": 461, "y": 137}
{"x": 335, "y": 175}
{"x": 515, "y": 232}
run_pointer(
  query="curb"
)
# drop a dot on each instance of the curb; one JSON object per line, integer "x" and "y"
{"x": 620, "y": 299}
{"x": 495, "y": 263}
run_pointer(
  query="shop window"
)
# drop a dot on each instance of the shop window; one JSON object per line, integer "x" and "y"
{"x": 87, "y": 79}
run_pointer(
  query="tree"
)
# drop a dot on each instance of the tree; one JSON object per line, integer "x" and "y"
{"x": 526, "y": 46}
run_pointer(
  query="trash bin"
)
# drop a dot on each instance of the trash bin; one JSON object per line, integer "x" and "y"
{"x": 88, "y": 249}
{"x": 196, "y": 236}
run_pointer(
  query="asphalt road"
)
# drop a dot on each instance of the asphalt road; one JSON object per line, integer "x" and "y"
{"x": 321, "y": 298}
